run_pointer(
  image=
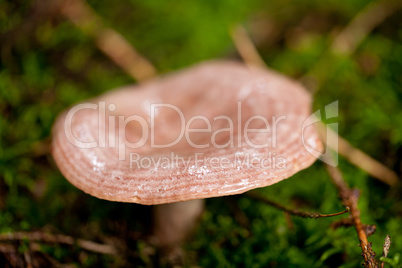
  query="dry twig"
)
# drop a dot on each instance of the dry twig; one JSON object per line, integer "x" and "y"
{"x": 362, "y": 24}
{"x": 5, "y": 248}
{"x": 58, "y": 239}
{"x": 349, "y": 198}
{"x": 28, "y": 259}
{"x": 245, "y": 46}
{"x": 347, "y": 222}
{"x": 356, "y": 156}
{"x": 294, "y": 212}
{"x": 113, "y": 44}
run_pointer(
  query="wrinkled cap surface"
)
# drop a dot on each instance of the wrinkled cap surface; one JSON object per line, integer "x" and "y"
{"x": 214, "y": 129}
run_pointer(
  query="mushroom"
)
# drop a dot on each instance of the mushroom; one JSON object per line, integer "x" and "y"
{"x": 215, "y": 129}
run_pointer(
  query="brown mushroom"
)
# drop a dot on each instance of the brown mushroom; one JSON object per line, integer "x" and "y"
{"x": 218, "y": 128}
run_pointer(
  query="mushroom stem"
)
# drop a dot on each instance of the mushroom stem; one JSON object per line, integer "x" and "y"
{"x": 174, "y": 221}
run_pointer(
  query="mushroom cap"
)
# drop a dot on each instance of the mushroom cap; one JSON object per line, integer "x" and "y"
{"x": 127, "y": 146}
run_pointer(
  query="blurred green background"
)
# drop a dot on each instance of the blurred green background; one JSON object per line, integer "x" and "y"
{"x": 48, "y": 64}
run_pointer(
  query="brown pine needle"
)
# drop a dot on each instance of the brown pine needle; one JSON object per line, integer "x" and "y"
{"x": 362, "y": 24}
{"x": 357, "y": 157}
{"x": 110, "y": 42}
{"x": 245, "y": 46}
